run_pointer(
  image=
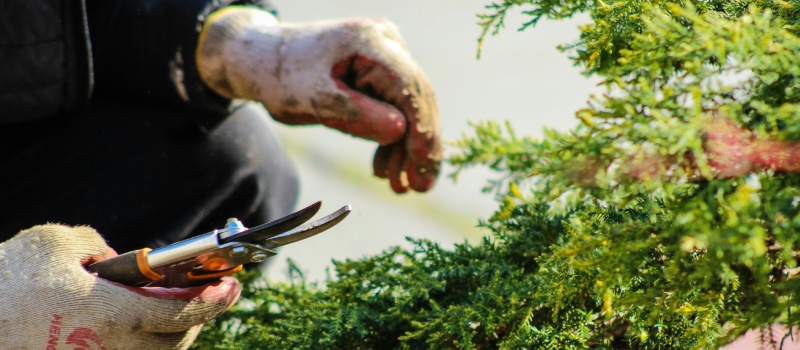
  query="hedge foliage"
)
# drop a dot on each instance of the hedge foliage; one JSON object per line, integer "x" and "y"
{"x": 667, "y": 219}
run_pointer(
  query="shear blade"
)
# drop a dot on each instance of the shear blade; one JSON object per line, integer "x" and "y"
{"x": 308, "y": 230}
{"x": 262, "y": 232}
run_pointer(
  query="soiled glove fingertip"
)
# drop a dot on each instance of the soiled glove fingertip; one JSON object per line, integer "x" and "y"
{"x": 422, "y": 183}
{"x": 420, "y": 178}
{"x": 380, "y": 162}
{"x": 398, "y": 187}
{"x": 398, "y": 179}
{"x": 396, "y": 169}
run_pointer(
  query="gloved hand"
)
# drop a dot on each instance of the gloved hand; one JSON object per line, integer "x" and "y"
{"x": 356, "y": 76}
{"x": 49, "y": 301}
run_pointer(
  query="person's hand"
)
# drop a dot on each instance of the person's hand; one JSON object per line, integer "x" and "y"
{"x": 356, "y": 76}
{"x": 50, "y": 301}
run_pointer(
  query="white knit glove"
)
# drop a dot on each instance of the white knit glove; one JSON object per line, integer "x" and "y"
{"x": 356, "y": 76}
{"x": 49, "y": 301}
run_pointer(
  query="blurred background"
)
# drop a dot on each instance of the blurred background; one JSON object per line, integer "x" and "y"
{"x": 520, "y": 77}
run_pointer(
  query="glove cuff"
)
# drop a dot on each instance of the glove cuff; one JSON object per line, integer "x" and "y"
{"x": 220, "y": 46}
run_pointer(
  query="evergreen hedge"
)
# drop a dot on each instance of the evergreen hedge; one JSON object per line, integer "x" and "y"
{"x": 667, "y": 219}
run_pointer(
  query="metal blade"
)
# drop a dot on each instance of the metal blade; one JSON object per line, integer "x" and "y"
{"x": 262, "y": 232}
{"x": 311, "y": 229}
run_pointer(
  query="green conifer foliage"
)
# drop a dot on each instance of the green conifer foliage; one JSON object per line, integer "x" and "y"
{"x": 668, "y": 219}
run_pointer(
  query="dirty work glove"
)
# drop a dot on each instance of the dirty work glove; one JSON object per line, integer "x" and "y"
{"x": 356, "y": 76}
{"x": 49, "y": 301}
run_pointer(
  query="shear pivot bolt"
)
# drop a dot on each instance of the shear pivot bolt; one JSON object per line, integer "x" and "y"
{"x": 238, "y": 252}
{"x": 258, "y": 257}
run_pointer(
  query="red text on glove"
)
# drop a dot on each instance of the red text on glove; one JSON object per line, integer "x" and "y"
{"x": 54, "y": 332}
{"x": 84, "y": 338}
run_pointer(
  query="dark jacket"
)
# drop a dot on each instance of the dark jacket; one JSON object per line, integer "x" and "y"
{"x": 55, "y": 55}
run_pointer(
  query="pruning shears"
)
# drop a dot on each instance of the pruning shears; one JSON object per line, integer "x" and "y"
{"x": 210, "y": 256}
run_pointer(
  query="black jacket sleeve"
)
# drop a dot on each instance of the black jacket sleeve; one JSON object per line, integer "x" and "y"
{"x": 45, "y": 67}
{"x": 146, "y": 49}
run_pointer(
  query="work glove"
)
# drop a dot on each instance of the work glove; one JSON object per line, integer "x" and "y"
{"x": 356, "y": 76}
{"x": 49, "y": 301}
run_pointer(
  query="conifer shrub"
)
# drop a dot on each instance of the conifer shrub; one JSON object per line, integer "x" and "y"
{"x": 667, "y": 219}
